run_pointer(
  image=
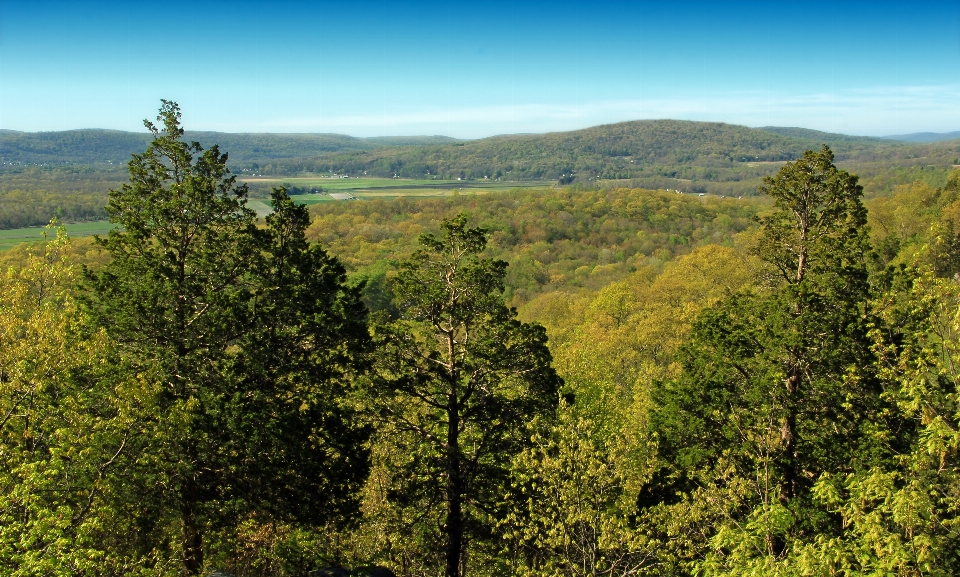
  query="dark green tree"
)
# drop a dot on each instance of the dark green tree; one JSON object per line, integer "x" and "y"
{"x": 816, "y": 242}
{"x": 460, "y": 377}
{"x": 778, "y": 384}
{"x": 245, "y": 335}
{"x": 301, "y": 446}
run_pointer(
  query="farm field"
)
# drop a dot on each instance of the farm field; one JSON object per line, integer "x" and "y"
{"x": 387, "y": 187}
{"x": 12, "y": 237}
{"x": 328, "y": 183}
{"x": 361, "y": 188}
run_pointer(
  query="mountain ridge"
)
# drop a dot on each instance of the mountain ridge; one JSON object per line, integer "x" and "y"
{"x": 91, "y": 145}
{"x": 686, "y": 155}
{"x": 925, "y": 137}
{"x": 94, "y": 145}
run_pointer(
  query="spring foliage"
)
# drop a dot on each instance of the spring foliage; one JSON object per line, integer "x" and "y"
{"x": 685, "y": 390}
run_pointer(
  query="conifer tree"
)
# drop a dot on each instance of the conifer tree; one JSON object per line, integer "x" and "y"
{"x": 778, "y": 385}
{"x": 460, "y": 378}
{"x": 248, "y": 337}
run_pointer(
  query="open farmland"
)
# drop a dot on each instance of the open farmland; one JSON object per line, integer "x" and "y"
{"x": 382, "y": 187}
{"x": 12, "y": 237}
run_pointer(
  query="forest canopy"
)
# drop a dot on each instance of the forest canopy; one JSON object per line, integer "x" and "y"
{"x": 614, "y": 381}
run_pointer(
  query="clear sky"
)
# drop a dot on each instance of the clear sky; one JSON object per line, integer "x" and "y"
{"x": 481, "y": 68}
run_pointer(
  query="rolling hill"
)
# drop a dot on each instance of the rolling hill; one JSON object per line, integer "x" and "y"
{"x": 926, "y": 136}
{"x": 695, "y": 156}
{"x": 691, "y": 156}
{"x": 91, "y": 146}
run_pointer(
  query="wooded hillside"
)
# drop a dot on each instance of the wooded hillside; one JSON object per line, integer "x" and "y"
{"x": 573, "y": 383}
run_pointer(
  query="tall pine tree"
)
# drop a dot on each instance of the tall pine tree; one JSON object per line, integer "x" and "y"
{"x": 248, "y": 337}
{"x": 777, "y": 385}
{"x": 460, "y": 377}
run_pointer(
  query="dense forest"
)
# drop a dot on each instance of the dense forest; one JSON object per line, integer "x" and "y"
{"x": 691, "y": 156}
{"x": 97, "y": 146}
{"x": 33, "y": 195}
{"x": 67, "y": 174}
{"x": 610, "y": 381}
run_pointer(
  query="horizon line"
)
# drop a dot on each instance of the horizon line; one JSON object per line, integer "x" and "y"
{"x": 407, "y": 135}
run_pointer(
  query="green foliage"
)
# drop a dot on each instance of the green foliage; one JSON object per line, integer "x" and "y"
{"x": 920, "y": 223}
{"x": 459, "y": 378}
{"x": 904, "y": 518}
{"x": 741, "y": 394}
{"x": 554, "y": 240}
{"x": 244, "y": 339}
{"x": 61, "y": 429}
{"x": 174, "y": 297}
{"x": 777, "y": 386}
{"x": 306, "y": 340}
{"x": 575, "y": 498}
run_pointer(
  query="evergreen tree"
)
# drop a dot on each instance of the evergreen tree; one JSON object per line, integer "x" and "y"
{"x": 302, "y": 447}
{"x": 246, "y": 335}
{"x": 461, "y": 377}
{"x": 777, "y": 385}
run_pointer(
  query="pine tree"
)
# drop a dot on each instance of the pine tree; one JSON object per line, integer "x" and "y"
{"x": 460, "y": 379}
{"x": 248, "y": 337}
{"x": 778, "y": 385}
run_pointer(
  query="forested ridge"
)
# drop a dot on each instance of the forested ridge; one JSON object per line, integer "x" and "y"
{"x": 92, "y": 146}
{"x": 610, "y": 381}
{"x": 691, "y": 156}
{"x": 63, "y": 174}
{"x": 599, "y": 150}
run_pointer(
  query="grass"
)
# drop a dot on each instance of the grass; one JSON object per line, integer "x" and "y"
{"x": 345, "y": 184}
{"x": 362, "y": 188}
{"x": 12, "y": 237}
{"x": 390, "y": 187}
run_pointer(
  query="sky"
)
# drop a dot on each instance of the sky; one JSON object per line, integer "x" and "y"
{"x": 476, "y": 69}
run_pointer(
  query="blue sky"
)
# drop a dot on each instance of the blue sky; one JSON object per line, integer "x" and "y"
{"x": 477, "y": 69}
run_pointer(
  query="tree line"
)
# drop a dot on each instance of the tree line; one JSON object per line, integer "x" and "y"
{"x": 217, "y": 395}
{"x": 691, "y": 156}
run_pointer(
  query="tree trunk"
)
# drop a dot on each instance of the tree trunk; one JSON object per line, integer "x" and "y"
{"x": 454, "y": 524}
{"x": 788, "y": 434}
{"x": 192, "y": 534}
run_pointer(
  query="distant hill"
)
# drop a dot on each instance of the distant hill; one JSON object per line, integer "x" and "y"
{"x": 657, "y": 153}
{"x": 925, "y": 136}
{"x": 70, "y": 146}
{"x": 90, "y": 146}
{"x": 645, "y": 141}
{"x": 684, "y": 155}
{"x": 828, "y": 138}
{"x": 411, "y": 140}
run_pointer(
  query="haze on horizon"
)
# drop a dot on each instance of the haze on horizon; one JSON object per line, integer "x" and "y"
{"x": 381, "y": 68}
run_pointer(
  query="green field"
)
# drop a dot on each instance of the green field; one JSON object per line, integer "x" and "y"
{"x": 337, "y": 184}
{"x": 390, "y": 187}
{"x": 379, "y": 188}
{"x": 363, "y": 188}
{"x": 12, "y": 237}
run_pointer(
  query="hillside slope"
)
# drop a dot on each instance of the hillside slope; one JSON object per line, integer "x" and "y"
{"x": 695, "y": 156}
{"x": 91, "y": 146}
{"x": 926, "y": 136}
